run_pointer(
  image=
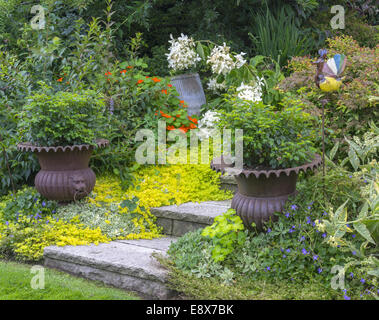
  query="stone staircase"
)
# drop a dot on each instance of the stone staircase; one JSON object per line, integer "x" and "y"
{"x": 128, "y": 264}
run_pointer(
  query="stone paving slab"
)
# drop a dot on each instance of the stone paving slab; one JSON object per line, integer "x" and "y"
{"x": 161, "y": 244}
{"x": 178, "y": 220}
{"x": 203, "y": 212}
{"x": 123, "y": 264}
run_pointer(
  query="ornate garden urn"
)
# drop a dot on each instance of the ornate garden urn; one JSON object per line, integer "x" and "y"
{"x": 261, "y": 193}
{"x": 65, "y": 174}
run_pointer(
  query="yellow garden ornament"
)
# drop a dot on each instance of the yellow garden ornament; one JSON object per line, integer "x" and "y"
{"x": 328, "y": 79}
{"x": 328, "y": 76}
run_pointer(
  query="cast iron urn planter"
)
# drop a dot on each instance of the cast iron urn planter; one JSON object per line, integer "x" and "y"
{"x": 65, "y": 175}
{"x": 261, "y": 193}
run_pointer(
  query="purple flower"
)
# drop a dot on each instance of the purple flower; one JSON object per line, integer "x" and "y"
{"x": 319, "y": 270}
{"x": 350, "y": 177}
{"x": 302, "y": 238}
{"x": 288, "y": 250}
{"x": 365, "y": 181}
{"x": 308, "y": 220}
{"x": 363, "y": 280}
{"x": 346, "y": 297}
{"x": 294, "y": 207}
{"x": 353, "y": 235}
{"x": 324, "y": 213}
{"x": 304, "y": 251}
{"x": 7, "y": 223}
{"x": 43, "y": 204}
{"x": 287, "y": 215}
{"x": 324, "y": 235}
{"x": 284, "y": 256}
{"x": 354, "y": 253}
{"x": 268, "y": 268}
{"x": 269, "y": 230}
{"x": 315, "y": 257}
{"x": 351, "y": 274}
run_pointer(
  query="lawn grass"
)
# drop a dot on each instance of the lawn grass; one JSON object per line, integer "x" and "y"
{"x": 15, "y": 284}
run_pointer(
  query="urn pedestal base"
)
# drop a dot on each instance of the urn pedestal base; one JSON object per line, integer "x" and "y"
{"x": 258, "y": 210}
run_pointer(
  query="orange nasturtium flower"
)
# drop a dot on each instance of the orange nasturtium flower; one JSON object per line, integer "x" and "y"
{"x": 129, "y": 67}
{"x": 170, "y": 128}
{"x": 139, "y": 81}
{"x": 123, "y": 71}
{"x": 155, "y": 79}
{"x": 60, "y": 80}
{"x": 181, "y": 101}
{"x": 164, "y": 91}
{"x": 165, "y": 115}
{"x": 108, "y": 73}
{"x": 192, "y": 119}
{"x": 183, "y": 129}
{"x": 169, "y": 85}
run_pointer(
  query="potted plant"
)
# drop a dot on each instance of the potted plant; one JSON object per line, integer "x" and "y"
{"x": 182, "y": 59}
{"x": 62, "y": 129}
{"x": 277, "y": 145}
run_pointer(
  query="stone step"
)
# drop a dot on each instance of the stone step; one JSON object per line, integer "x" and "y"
{"x": 228, "y": 182}
{"x": 125, "y": 264}
{"x": 178, "y": 220}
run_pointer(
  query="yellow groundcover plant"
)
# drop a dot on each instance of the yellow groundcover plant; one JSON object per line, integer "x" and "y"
{"x": 159, "y": 186}
{"x": 30, "y": 240}
{"x": 155, "y": 186}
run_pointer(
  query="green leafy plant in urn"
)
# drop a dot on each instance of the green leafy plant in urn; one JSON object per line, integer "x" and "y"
{"x": 62, "y": 129}
{"x": 277, "y": 145}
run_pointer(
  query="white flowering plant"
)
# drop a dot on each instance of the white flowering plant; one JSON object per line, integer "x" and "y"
{"x": 187, "y": 55}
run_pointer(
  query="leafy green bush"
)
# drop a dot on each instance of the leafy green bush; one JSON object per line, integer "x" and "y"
{"x": 351, "y": 109}
{"x": 63, "y": 118}
{"x": 271, "y": 138}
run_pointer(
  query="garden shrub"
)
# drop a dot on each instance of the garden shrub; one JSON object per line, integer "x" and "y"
{"x": 271, "y": 138}
{"x": 63, "y": 118}
{"x": 350, "y": 110}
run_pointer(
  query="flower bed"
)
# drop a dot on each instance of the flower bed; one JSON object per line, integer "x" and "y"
{"x": 29, "y": 223}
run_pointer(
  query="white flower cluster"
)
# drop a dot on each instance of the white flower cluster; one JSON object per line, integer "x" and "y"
{"x": 182, "y": 53}
{"x": 222, "y": 62}
{"x": 251, "y": 92}
{"x": 214, "y": 86}
{"x": 207, "y": 123}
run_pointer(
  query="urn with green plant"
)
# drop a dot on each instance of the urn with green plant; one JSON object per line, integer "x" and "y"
{"x": 62, "y": 129}
{"x": 277, "y": 145}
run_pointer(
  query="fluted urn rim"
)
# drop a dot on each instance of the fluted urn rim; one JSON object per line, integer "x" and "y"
{"x": 29, "y": 147}
{"x": 220, "y": 166}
